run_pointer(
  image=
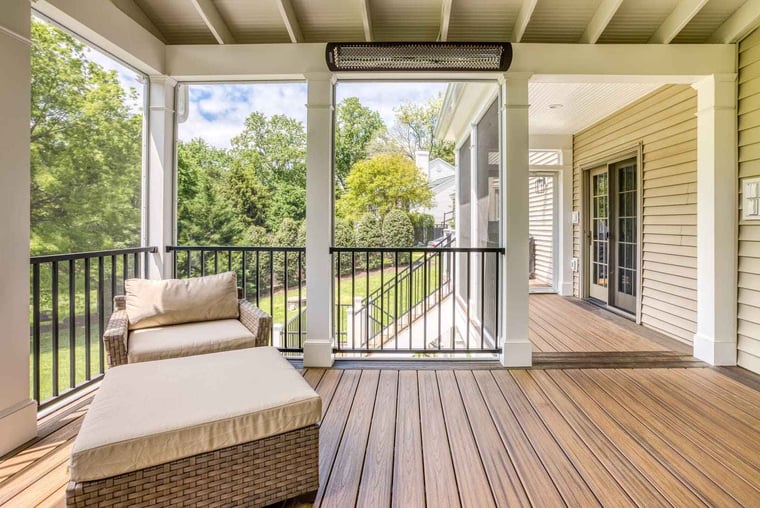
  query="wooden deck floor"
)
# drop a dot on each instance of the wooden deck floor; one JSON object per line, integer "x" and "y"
{"x": 615, "y": 437}
{"x": 569, "y": 325}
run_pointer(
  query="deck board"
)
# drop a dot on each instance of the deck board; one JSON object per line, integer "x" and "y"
{"x": 610, "y": 415}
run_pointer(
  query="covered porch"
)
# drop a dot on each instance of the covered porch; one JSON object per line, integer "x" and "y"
{"x": 599, "y": 374}
{"x": 605, "y": 427}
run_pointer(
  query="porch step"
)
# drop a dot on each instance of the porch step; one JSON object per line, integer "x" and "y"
{"x": 615, "y": 360}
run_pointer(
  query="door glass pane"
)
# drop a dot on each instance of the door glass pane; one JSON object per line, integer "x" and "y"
{"x": 626, "y": 229}
{"x": 600, "y": 228}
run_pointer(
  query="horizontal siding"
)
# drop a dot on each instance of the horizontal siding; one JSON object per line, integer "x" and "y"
{"x": 541, "y": 215}
{"x": 748, "y": 325}
{"x": 665, "y": 124}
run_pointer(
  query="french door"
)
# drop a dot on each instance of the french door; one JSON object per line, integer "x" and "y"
{"x": 613, "y": 235}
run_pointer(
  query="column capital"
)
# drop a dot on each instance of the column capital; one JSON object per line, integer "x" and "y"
{"x": 319, "y": 76}
{"x": 161, "y": 80}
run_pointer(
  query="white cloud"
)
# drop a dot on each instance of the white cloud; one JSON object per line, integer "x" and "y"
{"x": 384, "y": 96}
{"x": 218, "y": 111}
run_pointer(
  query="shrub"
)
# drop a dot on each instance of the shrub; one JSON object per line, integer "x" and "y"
{"x": 397, "y": 230}
{"x": 423, "y": 224}
{"x": 369, "y": 234}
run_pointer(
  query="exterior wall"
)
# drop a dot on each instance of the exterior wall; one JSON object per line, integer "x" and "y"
{"x": 541, "y": 227}
{"x": 748, "y": 326}
{"x": 665, "y": 124}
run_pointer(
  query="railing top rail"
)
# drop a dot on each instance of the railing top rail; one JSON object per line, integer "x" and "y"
{"x": 225, "y": 248}
{"x": 498, "y": 250}
{"x": 90, "y": 254}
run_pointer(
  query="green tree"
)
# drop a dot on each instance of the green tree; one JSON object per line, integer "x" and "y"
{"x": 369, "y": 231}
{"x": 269, "y": 157}
{"x": 86, "y": 150}
{"x": 355, "y": 127}
{"x": 288, "y": 235}
{"x": 205, "y": 216}
{"x": 415, "y": 129}
{"x": 383, "y": 183}
{"x": 397, "y": 230}
{"x": 344, "y": 237}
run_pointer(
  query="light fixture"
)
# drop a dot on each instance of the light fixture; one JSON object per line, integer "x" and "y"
{"x": 419, "y": 56}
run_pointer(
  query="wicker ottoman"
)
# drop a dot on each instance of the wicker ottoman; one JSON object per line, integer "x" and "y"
{"x": 238, "y": 428}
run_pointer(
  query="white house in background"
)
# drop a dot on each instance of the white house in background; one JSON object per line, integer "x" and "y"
{"x": 441, "y": 177}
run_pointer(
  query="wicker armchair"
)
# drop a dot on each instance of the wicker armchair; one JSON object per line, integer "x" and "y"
{"x": 116, "y": 336}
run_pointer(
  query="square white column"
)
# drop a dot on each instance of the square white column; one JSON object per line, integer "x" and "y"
{"x": 517, "y": 350}
{"x": 715, "y": 340}
{"x": 18, "y": 412}
{"x": 317, "y": 349}
{"x": 159, "y": 208}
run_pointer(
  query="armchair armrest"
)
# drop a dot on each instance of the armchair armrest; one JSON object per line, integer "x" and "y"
{"x": 257, "y": 321}
{"x": 115, "y": 338}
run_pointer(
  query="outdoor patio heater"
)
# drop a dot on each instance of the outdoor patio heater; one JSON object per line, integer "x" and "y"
{"x": 419, "y": 56}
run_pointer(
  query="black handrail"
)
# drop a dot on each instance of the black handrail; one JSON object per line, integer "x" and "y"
{"x": 261, "y": 281}
{"x": 64, "y": 290}
{"x": 412, "y": 250}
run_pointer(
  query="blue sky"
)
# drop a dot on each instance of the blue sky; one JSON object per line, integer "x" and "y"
{"x": 218, "y": 111}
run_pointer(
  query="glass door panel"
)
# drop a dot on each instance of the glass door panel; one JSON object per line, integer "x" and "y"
{"x": 626, "y": 238}
{"x": 599, "y": 235}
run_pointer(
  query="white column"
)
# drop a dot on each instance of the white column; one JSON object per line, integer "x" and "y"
{"x": 475, "y": 236}
{"x": 18, "y": 412}
{"x": 565, "y": 219}
{"x": 516, "y": 347}
{"x": 159, "y": 197}
{"x": 317, "y": 349}
{"x": 715, "y": 340}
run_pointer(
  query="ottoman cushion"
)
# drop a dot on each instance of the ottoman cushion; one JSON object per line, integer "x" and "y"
{"x": 188, "y": 339}
{"x": 150, "y": 413}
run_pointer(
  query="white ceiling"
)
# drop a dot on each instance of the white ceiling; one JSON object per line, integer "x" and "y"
{"x": 581, "y": 104}
{"x": 560, "y": 21}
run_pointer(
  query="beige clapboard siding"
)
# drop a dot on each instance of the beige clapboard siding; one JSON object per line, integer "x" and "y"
{"x": 541, "y": 213}
{"x": 665, "y": 124}
{"x": 748, "y": 325}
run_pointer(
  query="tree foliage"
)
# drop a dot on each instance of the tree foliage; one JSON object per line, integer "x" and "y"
{"x": 415, "y": 130}
{"x": 383, "y": 183}
{"x": 86, "y": 150}
{"x": 397, "y": 229}
{"x": 356, "y": 126}
{"x": 369, "y": 231}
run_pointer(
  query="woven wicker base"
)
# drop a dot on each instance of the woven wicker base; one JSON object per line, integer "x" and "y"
{"x": 258, "y": 473}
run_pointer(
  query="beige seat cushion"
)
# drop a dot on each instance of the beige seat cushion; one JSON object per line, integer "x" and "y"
{"x": 187, "y": 339}
{"x": 152, "y": 303}
{"x": 145, "y": 414}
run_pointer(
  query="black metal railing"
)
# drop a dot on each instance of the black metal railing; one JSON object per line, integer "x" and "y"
{"x": 71, "y": 300}
{"x": 412, "y": 299}
{"x": 272, "y": 278}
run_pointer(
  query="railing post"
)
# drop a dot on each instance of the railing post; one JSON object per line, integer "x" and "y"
{"x": 317, "y": 349}
{"x": 18, "y": 412}
{"x": 158, "y": 194}
{"x": 516, "y": 347}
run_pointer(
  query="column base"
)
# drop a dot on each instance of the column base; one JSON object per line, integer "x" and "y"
{"x": 18, "y": 424}
{"x": 516, "y": 354}
{"x": 566, "y": 289}
{"x": 714, "y": 352}
{"x": 317, "y": 353}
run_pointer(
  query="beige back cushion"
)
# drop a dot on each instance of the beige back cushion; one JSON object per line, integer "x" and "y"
{"x": 152, "y": 303}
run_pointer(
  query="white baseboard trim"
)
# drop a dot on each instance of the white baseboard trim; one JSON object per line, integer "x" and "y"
{"x": 317, "y": 353}
{"x": 714, "y": 352}
{"x": 18, "y": 424}
{"x": 516, "y": 354}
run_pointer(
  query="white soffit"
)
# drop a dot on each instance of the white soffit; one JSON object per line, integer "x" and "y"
{"x": 567, "y": 108}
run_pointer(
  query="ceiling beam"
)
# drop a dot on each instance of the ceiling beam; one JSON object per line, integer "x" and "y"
{"x": 667, "y": 63}
{"x": 289, "y": 18}
{"x": 523, "y": 18}
{"x": 108, "y": 27}
{"x": 683, "y": 12}
{"x": 214, "y": 21}
{"x": 366, "y": 20}
{"x": 443, "y": 34}
{"x": 739, "y": 24}
{"x": 599, "y": 21}
{"x": 134, "y": 11}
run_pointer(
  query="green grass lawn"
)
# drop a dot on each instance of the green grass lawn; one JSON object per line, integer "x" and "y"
{"x": 344, "y": 294}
